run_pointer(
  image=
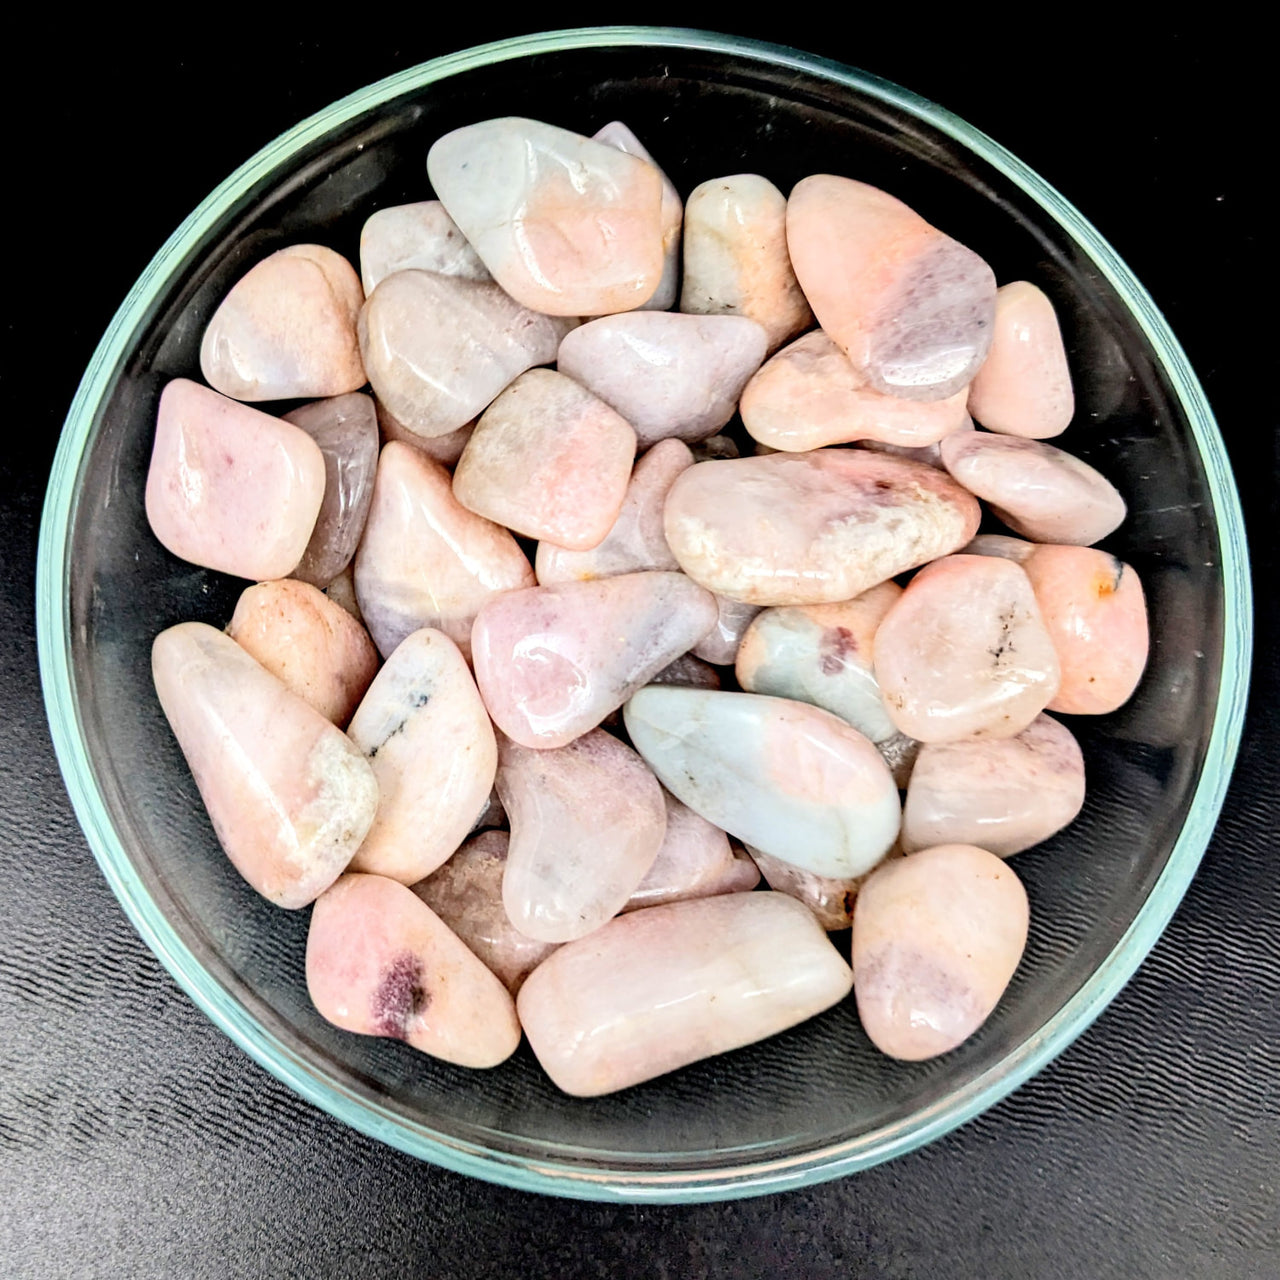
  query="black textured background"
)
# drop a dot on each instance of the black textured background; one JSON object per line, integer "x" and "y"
{"x": 136, "y": 1141}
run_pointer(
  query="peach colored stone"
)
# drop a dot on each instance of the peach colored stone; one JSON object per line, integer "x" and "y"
{"x": 446, "y": 449}
{"x": 416, "y": 237}
{"x": 720, "y": 644}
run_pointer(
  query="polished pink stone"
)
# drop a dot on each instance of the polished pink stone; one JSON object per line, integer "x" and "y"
{"x": 720, "y": 644}
{"x": 446, "y": 449}
{"x": 415, "y": 237}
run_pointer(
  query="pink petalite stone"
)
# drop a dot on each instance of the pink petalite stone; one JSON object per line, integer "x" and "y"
{"x": 1024, "y": 387}
{"x": 552, "y": 662}
{"x": 346, "y": 431}
{"x": 439, "y": 348}
{"x": 965, "y": 653}
{"x": 549, "y": 460}
{"x": 416, "y": 237}
{"x": 230, "y": 488}
{"x": 637, "y": 541}
{"x": 1038, "y": 491}
{"x": 911, "y": 307}
{"x": 812, "y": 528}
{"x": 929, "y": 454}
{"x": 425, "y": 560}
{"x": 720, "y": 644}
{"x": 658, "y": 989}
{"x": 445, "y": 449}
{"x": 466, "y": 893}
{"x": 287, "y": 329}
{"x": 1096, "y": 614}
{"x": 689, "y": 673}
{"x": 308, "y": 642}
{"x": 667, "y": 374}
{"x": 616, "y": 134}
{"x": 424, "y": 730}
{"x": 830, "y": 900}
{"x": 380, "y": 962}
{"x": 810, "y": 394}
{"x": 1010, "y": 793}
{"x": 567, "y": 226}
{"x": 587, "y": 821}
{"x": 289, "y": 797}
{"x": 936, "y": 938}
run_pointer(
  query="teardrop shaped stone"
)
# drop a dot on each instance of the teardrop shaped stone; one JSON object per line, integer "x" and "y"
{"x": 720, "y": 644}
{"x": 416, "y": 237}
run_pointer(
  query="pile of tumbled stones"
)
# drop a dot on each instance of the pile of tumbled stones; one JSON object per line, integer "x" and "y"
{"x": 508, "y": 778}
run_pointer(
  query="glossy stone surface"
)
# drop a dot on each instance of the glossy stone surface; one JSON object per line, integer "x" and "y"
{"x": 830, "y": 900}
{"x": 735, "y": 256}
{"x": 658, "y": 989}
{"x": 380, "y": 962}
{"x": 1038, "y": 491}
{"x": 552, "y": 662}
{"x": 912, "y": 308}
{"x": 289, "y": 796}
{"x": 287, "y": 329}
{"x": 231, "y": 488}
{"x": 812, "y": 528}
{"x": 668, "y": 375}
{"x": 415, "y": 237}
{"x": 936, "y": 938}
{"x": 720, "y": 644}
{"x": 587, "y": 821}
{"x": 425, "y": 560}
{"x": 964, "y": 652}
{"x": 446, "y": 449}
{"x": 566, "y": 226}
{"x": 549, "y": 460}
{"x": 424, "y": 730}
{"x": 782, "y": 776}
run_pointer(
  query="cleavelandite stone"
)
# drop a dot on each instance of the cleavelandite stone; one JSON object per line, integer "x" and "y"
{"x": 425, "y": 560}
{"x": 380, "y": 962}
{"x": 446, "y": 449}
{"x": 667, "y": 374}
{"x": 549, "y": 460}
{"x": 289, "y": 796}
{"x": 438, "y": 349}
{"x": 552, "y": 662}
{"x": 416, "y": 237}
{"x": 936, "y": 938}
{"x": 287, "y": 329}
{"x": 424, "y": 730}
{"x": 658, "y": 989}
{"x": 567, "y": 226}
{"x": 720, "y": 644}
{"x": 831, "y": 900}
{"x": 812, "y": 528}
{"x": 735, "y": 256}
{"x": 784, "y": 777}
{"x": 231, "y": 488}
{"x": 587, "y": 821}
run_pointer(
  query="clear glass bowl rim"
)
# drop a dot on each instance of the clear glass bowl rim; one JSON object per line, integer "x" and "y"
{"x": 660, "y": 1180}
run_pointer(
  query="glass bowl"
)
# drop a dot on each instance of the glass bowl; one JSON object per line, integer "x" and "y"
{"x": 818, "y": 1101}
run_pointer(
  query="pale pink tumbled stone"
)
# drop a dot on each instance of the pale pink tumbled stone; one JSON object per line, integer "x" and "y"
{"x": 380, "y": 962}
{"x": 1038, "y": 491}
{"x": 587, "y": 821}
{"x": 720, "y": 644}
{"x": 549, "y": 460}
{"x": 929, "y": 454}
{"x": 831, "y": 900}
{"x": 231, "y": 488}
{"x": 655, "y": 990}
{"x": 308, "y": 642}
{"x": 567, "y": 226}
{"x": 812, "y": 528}
{"x": 425, "y": 560}
{"x": 810, "y": 394}
{"x": 289, "y": 796}
{"x": 446, "y": 449}
{"x": 415, "y": 237}
{"x": 936, "y": 937}
{"x": 552, "y": 662}
{"x": 1024, "y": 386}
{"x": 964, "y": 652}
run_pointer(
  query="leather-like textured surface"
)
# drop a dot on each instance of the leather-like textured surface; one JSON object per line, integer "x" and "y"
{"x": 136, "y": 1140}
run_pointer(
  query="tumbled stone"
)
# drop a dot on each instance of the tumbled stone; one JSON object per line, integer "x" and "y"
{"x": 720, "y": 644}
{"x": 1038, "y": 491}
{"x": 567, "y": 226}
{"x": 936, "y": 938}
{"x": 549, "y": 460}
{"x": 552, "y": 662}
{"x": 668, "y": 375}
{"x": 964, "y": 652}
{"x": 929, "y": 454}
{"x": 831, "y": 900}
{"x": 231, "y": 488}
{"x": 812, "y": 528}
{"x": 415, "y": 237}
{"x": 446, "y": 449}
{"x": 289, "y": 796}
{"x": 587, "y": 821}
{"x": 380, "y": 962}
{"x": 784, "y": 777}
{"x": 425, "y": 560}
{"x": 658, "y": 989}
